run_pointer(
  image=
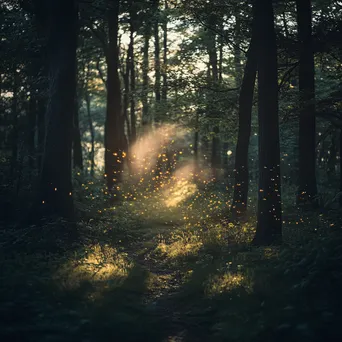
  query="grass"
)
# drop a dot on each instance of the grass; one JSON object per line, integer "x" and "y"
{"x": 146, "y": 271}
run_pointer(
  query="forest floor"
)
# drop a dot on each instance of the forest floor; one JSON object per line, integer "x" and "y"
{"x": 147, "y": 271}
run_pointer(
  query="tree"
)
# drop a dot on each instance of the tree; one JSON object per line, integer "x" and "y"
{"x": 213, "y": 81}
{"x": 115, "y": 140}
{"x": 77, "y": 144}
{"x": 269, "y": 225}
{"x": 146, "y": 120}
{"x": 240, "y": 197}
{"x": 55, "y": 187}
{"x": 156, "y": 50}
{"x": 165, "y": 51}
{"x": 307, "y": 189}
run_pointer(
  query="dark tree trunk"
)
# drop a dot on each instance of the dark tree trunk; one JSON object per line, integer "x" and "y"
{"x": 132, "y": 92}
{"x": 77, "y": 143}
{"x": 55, "y": 191}
{"x": 196, "y": 140}
{"x": 32, "y": 124}
{"x": 41, "y": 110}
{"x": 14, "y": 114}
{"x": 239, "y": 205}
{"x": 237, "y": 49}
{"x": 307, "y": 189}
{"x": 157, "y": 70}
{"x": 92, "y": 134}
{"x": 215, "y": 152}
{"x": 220, "y": 66}
{"x": 126, "y": 78}
{"x": 331, "y": 159}
{"x": 164, "y": 73}
{"x": 269, "y": 226}
{"x": 145, "y": 80}
{"x": 215, "y": 146}
{"x": 115, "y": 144}
{"x": 341, "y": 167}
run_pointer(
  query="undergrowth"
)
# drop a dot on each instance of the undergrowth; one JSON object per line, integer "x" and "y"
{"x": 145, "y": 271}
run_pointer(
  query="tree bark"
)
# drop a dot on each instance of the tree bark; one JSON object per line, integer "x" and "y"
{"x": 32, "y": 124}
{"x": 77, "y": 143}
{"x": 115, "y": 143}
{"x": 269, "y": 226}
{"x": 215, "y": 146}
{"x": 126, "y": 95}
{"x": 165, "y": 50}
{"x": 92, "y": 134}
{"x": 340, "y": 167}
{"x": 132, "y": 86}
{"x": 55, "y": 187}
{"x": 145, "y": 80}
{"x": 237, "y": 49}
{"x": 41, "y": 109}
{"x": 241, "y": 183}
{"x": 14, "y": 114}
{"x": 157, "y": 70}
{"x": 196, "y": 141}
{"x": 307, "y": 189}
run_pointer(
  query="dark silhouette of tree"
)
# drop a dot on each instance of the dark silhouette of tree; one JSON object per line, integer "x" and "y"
{"x": 213, "y": 81}
{"x": 269, "y": 226}
{"x": 307, "y": 189}
{"x": 132, "y": 30}
{"x": 14, "y": 113}
{"x": 165, "y": 51}
{"x": 55, "y": 187}
{"x": 115, "y": 140}
{"x": 340, "y": 138}
{"x": 157, "y": 69}
{"x": 146, "y": 120}
{"x": 241, "y": 183}
{"x": 77, "y": 144}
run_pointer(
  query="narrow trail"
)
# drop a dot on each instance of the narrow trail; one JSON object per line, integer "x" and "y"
{"x": 168, "y": 281}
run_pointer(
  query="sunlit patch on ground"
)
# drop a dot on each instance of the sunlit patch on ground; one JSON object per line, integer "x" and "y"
{"x": 226, "y": 282}
{"x": 180, "y": 247}
{"x": 99, "y": 264}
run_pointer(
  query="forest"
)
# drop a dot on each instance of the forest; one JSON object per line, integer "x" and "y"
{"x": 170, "y": 170}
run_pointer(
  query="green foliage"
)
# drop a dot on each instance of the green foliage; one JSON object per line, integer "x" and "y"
{"x": 162, "y": 276}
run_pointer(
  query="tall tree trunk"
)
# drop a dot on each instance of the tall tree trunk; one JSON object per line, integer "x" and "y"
{"x": 92, "y": 134}
{"x": 331, "y": 159}
{"x": 215, "y": 146}
{"x": 157, "y": 70}
{"x": 55, "y": 191}
{"x": 115, "y": 143}
{"x": 340, "y": 167}
{"x": 215, "y": 152}
{"x": 126, "y": 78}
{"x": 41, "y": 110}
{"x": 220, "y": 64}
{"x": 132, "y": 92}
{"x": 307, "y": 189}
{"x": 14, "y": 114}
{"x": 145, "y": 80}
{"x": 196, "y": 141}
{"x": 32, "y": 124}
{"x": 269, "y": 226}
{"x": 239, "y": 205}
{"x": 237, "y": 49}
{"x": 77, "y": 143}
{"x": 164, "y": 73}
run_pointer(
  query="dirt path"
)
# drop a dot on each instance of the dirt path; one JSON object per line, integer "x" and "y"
{"x": 166, "y": 280}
